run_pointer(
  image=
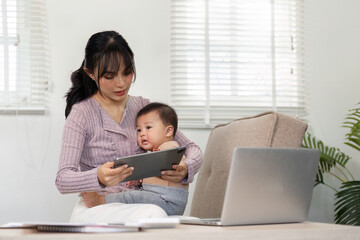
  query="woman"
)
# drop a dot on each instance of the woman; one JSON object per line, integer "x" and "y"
{"x": 100, "y": 126}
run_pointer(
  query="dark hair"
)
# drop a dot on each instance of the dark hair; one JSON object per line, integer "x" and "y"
{"x": 105, "y": 51}
{"x": 166, "y": 113}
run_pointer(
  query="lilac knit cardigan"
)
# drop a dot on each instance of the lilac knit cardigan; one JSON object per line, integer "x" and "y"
{"x": 91, "y": 138}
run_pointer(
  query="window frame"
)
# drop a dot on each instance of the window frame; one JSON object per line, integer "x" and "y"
{"x": 26, "y": 90}
{"x": 190, "y": 114}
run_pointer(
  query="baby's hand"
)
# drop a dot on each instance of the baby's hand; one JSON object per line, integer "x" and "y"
{"x": 134, "y": 183}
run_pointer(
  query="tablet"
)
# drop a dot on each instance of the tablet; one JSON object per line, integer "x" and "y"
{"x": 151, "y": 164}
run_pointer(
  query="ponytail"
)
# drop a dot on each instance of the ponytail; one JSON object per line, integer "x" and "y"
{"x": 82, "y": 87}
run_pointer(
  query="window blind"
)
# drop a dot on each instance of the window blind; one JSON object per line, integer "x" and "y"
{"x": 24, "y": 59}
{"x": 235, "y": 58}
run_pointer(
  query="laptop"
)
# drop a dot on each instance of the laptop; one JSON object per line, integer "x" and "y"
{"x": 266, "y": 186}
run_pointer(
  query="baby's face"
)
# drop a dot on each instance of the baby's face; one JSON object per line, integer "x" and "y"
{"x": 151, "y": 132}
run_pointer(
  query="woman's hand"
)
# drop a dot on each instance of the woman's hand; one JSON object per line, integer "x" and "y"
{"x": 110, "y": 176}
{"x": 178, "y": 175}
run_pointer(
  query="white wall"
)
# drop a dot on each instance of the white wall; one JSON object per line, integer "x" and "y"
{"x": 30, "y": 145}
{"x": 333, "y": 59}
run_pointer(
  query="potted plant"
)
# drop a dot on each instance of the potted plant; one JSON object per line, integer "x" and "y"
{"x": 333, "y": 162}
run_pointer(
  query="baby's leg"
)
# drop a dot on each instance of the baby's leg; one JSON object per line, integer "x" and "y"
{"x": 172, "y": 200}
{"x": 92, "y": 199}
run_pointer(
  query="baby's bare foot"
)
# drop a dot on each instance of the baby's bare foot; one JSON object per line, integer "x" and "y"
{"x": 92, "y": 199}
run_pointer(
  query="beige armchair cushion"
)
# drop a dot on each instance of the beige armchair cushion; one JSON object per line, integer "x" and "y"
{"x": 269, "y": 129}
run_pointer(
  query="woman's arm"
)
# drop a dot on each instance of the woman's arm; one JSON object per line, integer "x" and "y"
{"x": 193, "y": 159}
{"x": 69, "y": 178}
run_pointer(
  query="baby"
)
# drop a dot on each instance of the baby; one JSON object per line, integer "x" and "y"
{"x": 156, "y": 127}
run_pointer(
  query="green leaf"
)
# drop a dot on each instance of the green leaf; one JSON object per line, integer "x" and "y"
{"x": 330, "y": 156}
{"x": 353, "y": 146}
{"x": 347, "y": 206}
{"x": 352, "y": 122}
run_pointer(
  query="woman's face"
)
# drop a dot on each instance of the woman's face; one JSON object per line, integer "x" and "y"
{"x": 114, "y": 86}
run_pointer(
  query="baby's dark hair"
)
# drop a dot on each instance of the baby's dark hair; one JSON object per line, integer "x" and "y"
{"x": 166, "y": 113}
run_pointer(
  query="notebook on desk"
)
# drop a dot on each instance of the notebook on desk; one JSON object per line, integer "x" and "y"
{"x": 66, "y": 227}
{"x": 267, "y": 185}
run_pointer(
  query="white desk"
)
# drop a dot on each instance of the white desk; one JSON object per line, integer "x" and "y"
{"x": 299, "y": 231}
